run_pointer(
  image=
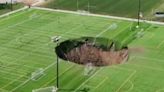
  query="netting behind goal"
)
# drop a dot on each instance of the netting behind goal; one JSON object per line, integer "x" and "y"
{"x": 47, "y": 89}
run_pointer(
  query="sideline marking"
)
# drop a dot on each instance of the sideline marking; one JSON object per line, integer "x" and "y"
{"x": 160, "y": 44}
{"x": 131, "y": 75}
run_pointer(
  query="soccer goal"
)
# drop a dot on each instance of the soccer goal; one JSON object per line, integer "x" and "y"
{"x": 47, "y": 89}
{"x": 89, "y": 69}
{"x": 37, "y": 74}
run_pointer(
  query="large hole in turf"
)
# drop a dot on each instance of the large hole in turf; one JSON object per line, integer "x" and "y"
{"x": 98, "y": 52}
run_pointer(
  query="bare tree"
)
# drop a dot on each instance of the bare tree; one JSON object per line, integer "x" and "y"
{"x": 29, "y": 2}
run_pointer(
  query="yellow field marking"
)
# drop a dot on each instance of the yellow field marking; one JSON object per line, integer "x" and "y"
{"x": 160, "y": 44}
{"x": 126, "y": 81}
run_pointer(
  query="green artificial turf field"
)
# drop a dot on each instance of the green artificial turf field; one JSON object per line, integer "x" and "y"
{"x": 25, "y": 46}
{"x": 126, "y": 8}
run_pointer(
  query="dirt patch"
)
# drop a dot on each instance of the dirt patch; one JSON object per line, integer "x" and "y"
{"x": 87, "y": 52}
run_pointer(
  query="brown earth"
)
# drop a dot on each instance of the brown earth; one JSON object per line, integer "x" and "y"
{"x": 87, "y": 53}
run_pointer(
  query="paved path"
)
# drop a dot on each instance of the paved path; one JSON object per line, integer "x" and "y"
{"x": 98, "y": 15}
{"x": 6, "y": 14}
{"x": 25, "y": 7}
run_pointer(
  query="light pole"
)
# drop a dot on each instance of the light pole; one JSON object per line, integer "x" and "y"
{"x": 88, "y": 6}
{"x": 77, "y": 5}
{"x": 11, "y": 5}
{"x": 56, "y": 39}
{"x": 139, "y": 11}
{"x": 57, "y": 69}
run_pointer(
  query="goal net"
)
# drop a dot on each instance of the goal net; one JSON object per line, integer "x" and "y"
{"x": 89, "y": 69}
{"x": 37, "y": 74}
{"x": 83, "y": 12}
{"x": 47, "y": 89}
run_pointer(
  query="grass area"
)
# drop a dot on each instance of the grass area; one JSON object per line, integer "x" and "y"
{"x": 126, "y": 8}
{"x": 15, "y": 6}
{"x": 25, "y": 46}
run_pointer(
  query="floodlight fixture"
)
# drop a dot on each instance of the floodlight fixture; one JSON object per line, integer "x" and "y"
{"x": 56, "y": 39}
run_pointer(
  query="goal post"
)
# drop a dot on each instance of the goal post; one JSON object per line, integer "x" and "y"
{"x": 37, "y": 74}
{"x": 46, "y": 89}
{"x": 89, "y": 69}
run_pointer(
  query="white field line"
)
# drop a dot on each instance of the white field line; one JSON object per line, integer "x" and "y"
{"x": 24, "y": 34}
{"x": 101, "y": 82}
{"x": 160, "y": 44}
{"x": 146, "y": 67}
{"x": 46, "y": 44}
{"x": 121, "y": 68}
{"x": 12, "y": 12}
{"x": 12, "y": 81}
{"x": 10, "y": 73}
{"x": 36, "y": 30}
{"x": 87, "y": 80}
{"x": 98, "y": 15}
{"x": 131, "y": 75}
{"x": 30, "y": 78}
{"x": 132, "y": 34}
{"x": 132, "y": 86}
{"x": 103, "y": 31}
{"x": 18, "y": 72}
{"x": 149, "y": 58}
{"x": 121, "y": 30}
{"x": 44, "y": 69}
{"x": 59, "y": 76}
{"x": 14, "y": 25}
{"x": 18, "y": 10}
{"x": 15, "y": 63}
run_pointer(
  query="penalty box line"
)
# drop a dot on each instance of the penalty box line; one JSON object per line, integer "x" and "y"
{"x": 30, "y": 79}
{"x": 160, "y": 44}
{"x": 128, "y": 79}
{"x": 59, "y": 76}
{"x": 87, "y": 80}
